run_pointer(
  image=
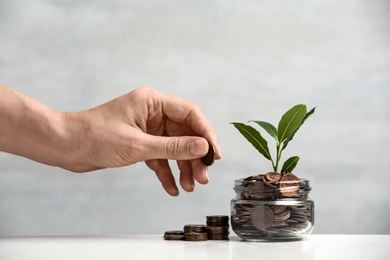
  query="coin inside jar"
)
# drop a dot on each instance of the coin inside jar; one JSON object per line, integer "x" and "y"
{"x": 209, "y": 158}
{"x": 271, "y": 179}
{"x": 283, "y": 215}
{"x": 289, "y": 185}
{"x": 262, "y": 217}
{"x": 257, "y": 190}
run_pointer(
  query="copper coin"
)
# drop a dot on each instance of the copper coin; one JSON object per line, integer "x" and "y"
{"x": 194, "y": 228}
{"x": 280, "y": 224}
{"x": 258, "y": 177}
{"x": 218, "y": 233}
{"x": 174, "y": 235}
{"x": 196, "y": 236}
{"x": 278, "y": 208}
{"x": 217, "y": 220}
{"x": 209, "y": 158}
{"x": 262, "y": 217}
{"x": 258, "y": 191}
{"x": 283, "y": 215}
{"x": 272, "y": 177}
{"x": 289, "y": 185}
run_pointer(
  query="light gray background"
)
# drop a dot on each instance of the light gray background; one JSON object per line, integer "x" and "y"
{"x": 240, "y": 60}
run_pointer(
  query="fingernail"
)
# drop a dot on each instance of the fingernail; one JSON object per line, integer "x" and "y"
{"x": 197, "y": 147}
{"x": 174, "y": 192}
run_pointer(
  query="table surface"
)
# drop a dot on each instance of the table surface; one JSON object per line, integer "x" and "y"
{"x": 155, "y": 247}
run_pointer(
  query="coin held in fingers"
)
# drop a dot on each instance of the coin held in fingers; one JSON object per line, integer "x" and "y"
{"x": 209, "y": 158}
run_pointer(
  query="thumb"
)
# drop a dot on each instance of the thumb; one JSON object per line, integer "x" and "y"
{"x": 178, "y": 147}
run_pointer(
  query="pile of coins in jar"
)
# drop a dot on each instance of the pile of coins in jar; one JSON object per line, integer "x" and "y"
{"x": 272, "y": 205}
{"x": 216, "y": 228}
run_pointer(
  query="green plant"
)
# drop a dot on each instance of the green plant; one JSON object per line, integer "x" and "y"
{"x": 288, "y": 125}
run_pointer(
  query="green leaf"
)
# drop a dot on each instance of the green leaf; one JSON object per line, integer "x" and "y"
{"x": 269, "y": 128}
{"x": 303, "y": 121}
{"x": 290, "y": 164}
{"x": 255, "y": 138}
{"x": 290, "y": 121}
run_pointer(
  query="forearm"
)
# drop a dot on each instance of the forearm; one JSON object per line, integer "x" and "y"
{"x": 33, "y": 130}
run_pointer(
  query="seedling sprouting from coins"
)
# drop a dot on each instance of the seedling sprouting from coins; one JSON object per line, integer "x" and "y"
{"x": 288, "y": 125}
{"x": 268, "y": 219}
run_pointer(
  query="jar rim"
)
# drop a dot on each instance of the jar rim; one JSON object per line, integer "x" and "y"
{"x": 259, "y": 190}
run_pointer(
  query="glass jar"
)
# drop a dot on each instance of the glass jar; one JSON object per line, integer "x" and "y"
{"x": 272, "y": 207}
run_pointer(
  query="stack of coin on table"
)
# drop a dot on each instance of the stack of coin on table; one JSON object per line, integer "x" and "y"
{"x": 195, "y": 233}
{"x": 217, "y": 228}
{"x": 174, "y": 235}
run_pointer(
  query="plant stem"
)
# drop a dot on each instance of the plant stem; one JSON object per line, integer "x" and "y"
{"x": 278, "y": 156}
{"x": 273, "y": 165}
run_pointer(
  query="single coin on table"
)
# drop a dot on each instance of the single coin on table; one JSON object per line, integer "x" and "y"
{"x": 209, "y": 158}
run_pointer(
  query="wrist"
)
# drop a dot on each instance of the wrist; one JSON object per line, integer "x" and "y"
{"x": 74, "y": 142}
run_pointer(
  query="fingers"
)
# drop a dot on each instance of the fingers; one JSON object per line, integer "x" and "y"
{"x": 186, "y": 176}
{"x": 189, "y": 171}
{"x": 199, "y": 171}
{"x": 186, "y": 150}
{"x": 164, "y": 174}
{"x": 180, "y": 110}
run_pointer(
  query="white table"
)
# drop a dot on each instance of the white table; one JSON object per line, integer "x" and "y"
{"x": 330, "y": 247}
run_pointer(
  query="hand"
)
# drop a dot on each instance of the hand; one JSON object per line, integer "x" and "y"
{"x": 145, "y": 125}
